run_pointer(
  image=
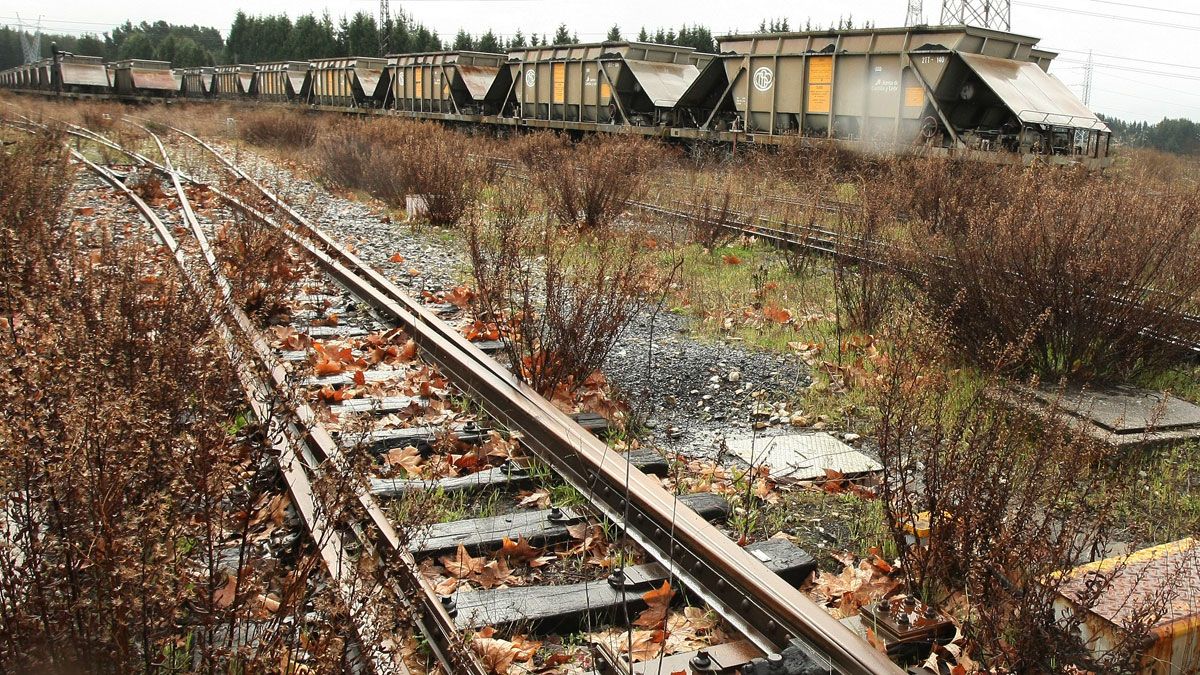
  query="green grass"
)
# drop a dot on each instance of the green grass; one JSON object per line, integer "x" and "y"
{"x": 712, "y": 290}
{"x": 1162, "y": 499}
{"x": 826, "y": 523}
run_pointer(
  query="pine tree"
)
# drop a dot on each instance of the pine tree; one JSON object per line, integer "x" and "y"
{"x": 614, "y": 34}
{"x": 562, "y": 36}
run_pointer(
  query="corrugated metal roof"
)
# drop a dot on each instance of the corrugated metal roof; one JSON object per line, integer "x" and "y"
{"x": 478, "y": 79}
{"x": 1032, "y": 94}
{"x": 152, "y": 79}
{"x": 664, "y": 83}
{"x": 89, "y": 75}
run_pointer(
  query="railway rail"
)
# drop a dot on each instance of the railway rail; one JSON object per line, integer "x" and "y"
{"x": 768, "y": 611}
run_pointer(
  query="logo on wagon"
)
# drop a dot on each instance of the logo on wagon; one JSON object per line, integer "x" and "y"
{"x": 763, "y": 78}
{"x": 530, "y": 77}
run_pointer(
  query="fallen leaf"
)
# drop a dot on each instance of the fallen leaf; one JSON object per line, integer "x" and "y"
{"x": 224, "y": 596}
{"x": 407, "y": 458}
{"x": 462, "y": 565}
{"x": 657, "y": 601}
{"x": 519, "y": 549}
{"x": 731, "y": 259}
{"x": 396, "y": 258}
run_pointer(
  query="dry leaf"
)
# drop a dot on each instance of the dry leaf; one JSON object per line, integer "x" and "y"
{"x": 224, "y": 596}
{"x": 462, "y": 565}
{"x": 657, "y": 602}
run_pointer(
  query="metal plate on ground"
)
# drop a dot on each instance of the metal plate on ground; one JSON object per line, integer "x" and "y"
{"x": 802, "y": 456}
{"x": 1126, "y": 410}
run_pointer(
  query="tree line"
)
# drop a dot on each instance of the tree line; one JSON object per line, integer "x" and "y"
{"x": 181, "y": 45}
{"x": 1179, "y": 136}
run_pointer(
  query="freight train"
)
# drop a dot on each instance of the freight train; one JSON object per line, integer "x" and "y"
{"x": 956, "y": 90}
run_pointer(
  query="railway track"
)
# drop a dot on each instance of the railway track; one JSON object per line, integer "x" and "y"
{"x": 669, "y": 536}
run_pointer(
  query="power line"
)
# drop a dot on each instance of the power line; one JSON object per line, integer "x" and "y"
{"x": 1125, "y": 58}
{"x": 1131, "y": 69}
{"x": 1102, "y": 15}
{"x": 1146, "y": 7}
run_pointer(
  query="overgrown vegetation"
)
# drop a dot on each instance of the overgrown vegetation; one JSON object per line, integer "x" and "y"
{"x": 395, "y": 159}
{"x": 279, "y": 128}
{"x": 1013, "y": 499}
{"x": 124, "y": 458}
{"x": 561, "y": 297}
{"x": 592, "y": 182}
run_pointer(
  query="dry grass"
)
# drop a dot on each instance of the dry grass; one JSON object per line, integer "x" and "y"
{"x": 131, "y": 485}
{"x": 393, "y": 159}
{"x": 592, "y": 182}
{"x": 1098, "y": 268}
{"x": 284, "y": 129}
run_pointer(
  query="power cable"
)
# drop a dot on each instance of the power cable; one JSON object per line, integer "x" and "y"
{"x": 1146, "y": 7}
{"x": 1102, "y": 15}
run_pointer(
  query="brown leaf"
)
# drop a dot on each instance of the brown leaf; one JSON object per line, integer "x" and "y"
{"x": 520, "y": 549}
{"x": 224, "y": 596}
{"x": 407, "y": 458}
{"x": 657, "y": 601}
{"x": 396, "y": 258}
{"x": 462, "y": 565}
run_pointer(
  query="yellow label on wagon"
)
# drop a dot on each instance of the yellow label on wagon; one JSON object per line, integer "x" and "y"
{"x": 560, "y": 83}
{"x": 418, "y": 79}
{"x": 914, "y": 97}
{"x": 820, "y": 70}
{"x": 820, "y": 84}
{"x": 820, "y": 98}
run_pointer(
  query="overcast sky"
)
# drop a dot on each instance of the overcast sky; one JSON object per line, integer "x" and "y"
{"x": 1147, "y": 64}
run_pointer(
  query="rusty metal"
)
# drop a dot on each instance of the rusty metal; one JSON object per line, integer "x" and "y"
{"x": 1119, "y": 595}
{"x": 908, "y": 627}
{"x": 143, "y": 77}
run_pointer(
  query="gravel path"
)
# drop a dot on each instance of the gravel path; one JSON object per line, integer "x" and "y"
{"x": 697, "y": 392}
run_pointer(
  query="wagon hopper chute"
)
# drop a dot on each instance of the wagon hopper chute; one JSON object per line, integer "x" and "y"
{"x": 197, "y": 82}
{"x": 354, "y": 82}
{"x": 624, "y": 83}
{"x": 280, "y": 81}
{"x": 232, "y": 82}
{"x": 79, "y": 74}
{"x": 453, "y": 83}
{"x": 952, "y": 87}
{"x": 143, "y": 78}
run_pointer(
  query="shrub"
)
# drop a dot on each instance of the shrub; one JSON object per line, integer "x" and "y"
{"x": 278, "y": 128}
{"x": 394, "y": 159}
{"x": 1101, "y": 267}
{"x": 258, "y": 261}
{"x": 594, "y": 181}
{"x": 1014, "y": 499}
{"x": 563, "y": 296}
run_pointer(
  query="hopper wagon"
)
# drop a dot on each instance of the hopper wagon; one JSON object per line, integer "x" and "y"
{"x": 354, "y": 82}
{"x": 281, "y": 81}
{"x": 197, "y": 82}
{"x": 233, "y": 82}
{"x": 951, "y": 87}
{"x": 457, "y": 83}
{"x": 80, "y": 75}
{"x": 142, "y": 78}
{"x": 608, "y": 83}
